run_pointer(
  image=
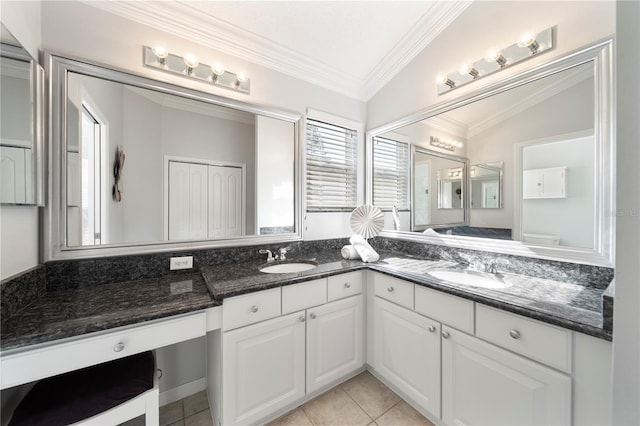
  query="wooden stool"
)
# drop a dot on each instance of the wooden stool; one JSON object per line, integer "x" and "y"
{"x": 104, "y": 394}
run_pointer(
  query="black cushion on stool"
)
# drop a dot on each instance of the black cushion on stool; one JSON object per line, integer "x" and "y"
{"x": 80, "y": 394}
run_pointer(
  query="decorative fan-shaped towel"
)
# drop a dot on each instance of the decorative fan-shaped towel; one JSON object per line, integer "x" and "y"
{"x": 367, "y": 221}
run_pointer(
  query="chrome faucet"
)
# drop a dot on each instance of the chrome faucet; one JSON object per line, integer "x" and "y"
{"x": 491, "y": 267}
{"x": 270, "y": 257}
{"x": 282, "y": 254}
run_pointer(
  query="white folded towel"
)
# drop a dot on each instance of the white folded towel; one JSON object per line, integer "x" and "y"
{"x": 430, "y": 232}
{"x": 349, "y": 252}
{"x": 366, "y": 252}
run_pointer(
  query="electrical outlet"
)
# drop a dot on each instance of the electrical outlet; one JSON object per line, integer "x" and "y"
{"x": 183, "y": 262}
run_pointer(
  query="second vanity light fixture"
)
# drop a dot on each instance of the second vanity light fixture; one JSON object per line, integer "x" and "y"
{"x": 528, "y": 46}
{"x": 189, "y": 66}
{"x": 445, "y": 143}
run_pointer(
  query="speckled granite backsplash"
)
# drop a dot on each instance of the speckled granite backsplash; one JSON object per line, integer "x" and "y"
{"x": 60, "y": 275}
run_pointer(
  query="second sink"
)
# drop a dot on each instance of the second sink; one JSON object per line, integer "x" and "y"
{"x": 470, "y": 278}
{"x": 287, "y": 268}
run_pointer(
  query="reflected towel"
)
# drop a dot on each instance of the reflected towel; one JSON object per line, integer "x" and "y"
{"x": 366, "y": 252}
{"x": 349, "y": 252}
{"x": 430, "y": 232}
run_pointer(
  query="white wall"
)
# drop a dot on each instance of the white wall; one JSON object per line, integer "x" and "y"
{"x": 19, "y": 231}
{"x": 626, "y": 320}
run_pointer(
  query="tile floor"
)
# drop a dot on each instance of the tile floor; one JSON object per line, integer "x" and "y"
{"x": 363, "y": 400}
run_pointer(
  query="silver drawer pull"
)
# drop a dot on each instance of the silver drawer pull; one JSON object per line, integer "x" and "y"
{"x": 313, "y": 316}
{"x": 302, "y": 318}
{"x": 445, "y": 334}
{"x": 390, "y": 289}
{"x": 119, "y": 347}
{"x": 347, "y": 285}
{"x": 514, "y": 334}
{"x": 432, "y": 328}
{"x": 254, "y": 309}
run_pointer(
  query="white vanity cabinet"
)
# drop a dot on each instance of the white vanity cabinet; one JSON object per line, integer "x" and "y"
{"x": 335, "y": 344}
{"x": 484, "y": 384}
{"x": 407, "y": 353}
{"x": 263, "y": 368}
{"x": 277, "y": 346}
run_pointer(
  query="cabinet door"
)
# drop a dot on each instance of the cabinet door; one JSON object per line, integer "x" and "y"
{"x": 484, "y": 384}
{"x": 263, "y": 368}
{"x": 13, "y": 174}
{"x": 225, "y": 202}
{"x": 407, "y": 353}
{"x": 334, "y": 341}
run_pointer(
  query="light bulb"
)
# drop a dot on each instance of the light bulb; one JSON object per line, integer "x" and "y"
{"x": 160, "y": 52}
{"x": 242, "y": 77}
{"x": 496, "y": 56}
{"x": 468, "y": 69}
{"x": 217, "y": 69}
{"x": 529, "y": 40}
{"x": 191, "y": 61}
{"x": 440, "y": 79}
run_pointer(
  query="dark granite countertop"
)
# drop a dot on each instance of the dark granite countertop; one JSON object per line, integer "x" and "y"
{"x": 571, "y": 306}
{"x": 74, "y": 312}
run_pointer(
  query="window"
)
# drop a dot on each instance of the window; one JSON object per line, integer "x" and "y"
{"x": 331, "y": 167}
{"x": 390, "y": 174}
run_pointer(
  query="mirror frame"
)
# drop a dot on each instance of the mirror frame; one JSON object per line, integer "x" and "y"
{"x": 465, "y": 188}
{"x": 600, "y": 54}
{"x": 55, "y": 247}
{"x": 500, "y": 185}
{"x": 36, "y": 83}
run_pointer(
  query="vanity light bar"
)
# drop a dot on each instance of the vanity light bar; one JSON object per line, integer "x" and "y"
{"x": 449, "y": 145}
{"x": 528, "y": 46}
{"x": 189, "y": 66}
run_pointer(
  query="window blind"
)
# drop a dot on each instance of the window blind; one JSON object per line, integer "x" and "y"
{"x": 390, "y": 174}
{"x": 331, "y": 167}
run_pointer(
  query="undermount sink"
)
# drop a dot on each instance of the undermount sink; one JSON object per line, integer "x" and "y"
{"x": 470, "y": 278}
{"x": 287, "y": 268}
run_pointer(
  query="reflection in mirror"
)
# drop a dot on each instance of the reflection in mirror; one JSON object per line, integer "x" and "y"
{"x": 20, "y": 85}
{"x": 486, "y": 185}
{"x": 190, "y": 170}
{"x": 541, "y": 169}
{"x": 438, "y": 189}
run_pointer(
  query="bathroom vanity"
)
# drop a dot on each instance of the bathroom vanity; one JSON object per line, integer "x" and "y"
{"x": 277, "y": 340}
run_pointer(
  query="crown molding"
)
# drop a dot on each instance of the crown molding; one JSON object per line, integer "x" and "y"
{"x": 447, "y": 125}
{"x": 430, "y": 25}
{"x": 197, "y": 26}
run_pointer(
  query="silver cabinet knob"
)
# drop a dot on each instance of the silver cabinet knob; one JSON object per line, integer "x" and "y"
{"x": 347, "y": 285}
{"x": 119, "y": 347}
{"x": 302, "y": 318}
{"x": 390, "y": 289}
{"x": 254, "y": 309}
{"x": 432, "y": 329}
{"x": 445, "y": 334}
{"x": 514, "y": 334}
{"x": 313, "y": 316}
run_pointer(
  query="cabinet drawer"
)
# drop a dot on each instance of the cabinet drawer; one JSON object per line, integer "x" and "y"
{"x": 542, "y": 342}
{"x": 394, "y": 290}
{"x": 301, "y": 296}
{"x": 451, "y": 310}
{"x": 242, "y": 310}
{"x": 344, "y": 285}
{"x": 24, "y": 367}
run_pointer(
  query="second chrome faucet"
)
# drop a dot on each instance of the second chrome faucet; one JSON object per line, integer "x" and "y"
{"x": 281, "y": 255}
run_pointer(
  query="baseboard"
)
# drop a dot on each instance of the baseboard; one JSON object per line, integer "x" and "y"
{"x": 182, "y": 391}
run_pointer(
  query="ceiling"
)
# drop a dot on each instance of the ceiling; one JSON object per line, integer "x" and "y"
{"x": 352, "y": 47}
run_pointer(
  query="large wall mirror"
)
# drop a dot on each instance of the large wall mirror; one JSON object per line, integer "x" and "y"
{"x": 535, "y": 164}
{"x": 141, "y": 165}
{"x": 21, "y": 154}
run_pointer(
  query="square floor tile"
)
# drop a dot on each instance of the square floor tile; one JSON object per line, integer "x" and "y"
{"x": 195, "y": 403}
{"x": 403, "y": 414}
{"x": 203, "y": 418}
{"x": 370, "y": 394}
{"x": 171, "y": 413}
{"x": 335, "y": 408}
{"x": 296, "y": 417}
